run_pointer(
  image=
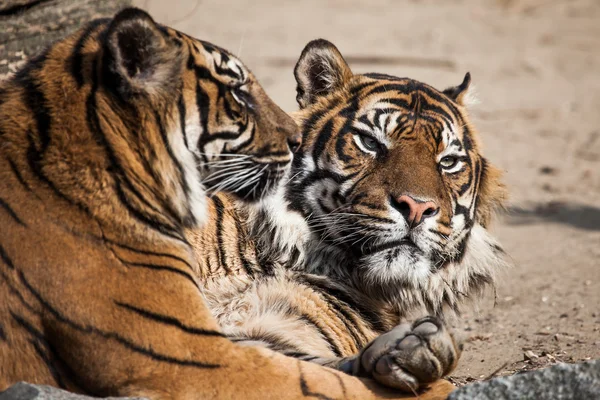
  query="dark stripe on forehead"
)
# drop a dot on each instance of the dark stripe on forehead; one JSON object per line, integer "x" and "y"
{"x": 341, "y": 142}
{"x": 324, "y": 135}
{"x": 378, "y": 76}
{"x": 410, "y": 87}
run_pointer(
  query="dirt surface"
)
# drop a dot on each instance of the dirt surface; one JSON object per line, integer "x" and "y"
{"x": 536, "y": 65}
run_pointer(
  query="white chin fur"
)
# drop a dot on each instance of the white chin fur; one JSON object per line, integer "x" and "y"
{"x": 405, "y": 268}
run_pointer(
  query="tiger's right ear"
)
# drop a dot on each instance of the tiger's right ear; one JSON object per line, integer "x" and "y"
{"x": 140, "y": 55}
{"x": 320, "y": 71}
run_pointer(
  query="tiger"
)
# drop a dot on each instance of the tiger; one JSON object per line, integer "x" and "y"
{"x": 375, "y": 239}
{"x": 108, "y": 141}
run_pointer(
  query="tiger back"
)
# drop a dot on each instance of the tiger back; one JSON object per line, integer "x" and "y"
{"x": 105, "y": 142}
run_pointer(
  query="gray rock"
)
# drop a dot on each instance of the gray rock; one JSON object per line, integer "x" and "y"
{"x": 562, "y": 381}
{"x": 29, "y": 26}
{"x": 27, "y": 391}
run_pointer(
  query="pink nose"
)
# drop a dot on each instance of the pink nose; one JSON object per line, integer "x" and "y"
{"x": 415, "y": 211}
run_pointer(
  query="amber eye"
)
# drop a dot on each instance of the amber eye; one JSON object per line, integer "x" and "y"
{"x": 369, "y": 143}
{"x": 448, "y": 162}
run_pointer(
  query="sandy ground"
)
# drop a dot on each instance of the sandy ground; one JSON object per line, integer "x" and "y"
{"x": 536, "y": 65}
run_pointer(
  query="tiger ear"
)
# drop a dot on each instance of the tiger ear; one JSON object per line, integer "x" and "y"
{"x": 320, "y": 71}
{"x": 460, "y": 93}
{"x": 143, "y": 58}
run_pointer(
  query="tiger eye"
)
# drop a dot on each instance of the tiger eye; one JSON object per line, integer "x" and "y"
{"x": 448, "y": 162}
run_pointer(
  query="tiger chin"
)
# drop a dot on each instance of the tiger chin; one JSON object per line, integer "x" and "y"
{"x": 109, "y": 143}
{"x": 384, "y": 215}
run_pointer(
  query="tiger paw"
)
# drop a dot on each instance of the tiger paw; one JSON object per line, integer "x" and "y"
{"x": 410, "y": 355}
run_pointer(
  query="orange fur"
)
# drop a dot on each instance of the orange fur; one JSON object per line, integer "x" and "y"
{"x": 97, "y": 285}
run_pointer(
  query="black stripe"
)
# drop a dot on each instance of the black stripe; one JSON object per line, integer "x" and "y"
{"x": 65, "y": 368}
{"x": 242, "y": 240}
{"x": 299, "y": 354}
{"x": 88, "y": 329}
{"x": 344, "y": 313}
{"x": 274, "y": 341}
{"x": 162, "y": 268}
{"x": 5, "y": 258}
{"x": 76, "y": 56}
{"x": 332, "y": 343}
{"x": 36, "y": 102}
{"x": 34, "y": 158}
{"x": 219, "y": 207}
{"x": 242, "y": 146}
{"x": 182, "y": 114}
{"x": 168, "y": 320}
{"x": 17, "y": 173}
{"x": 323, "y": 137}
{"x": 11, "y": 212}
{"x": 42, "y": 347}
{"x": 151, "y": 253}
{"x": 304, "y": 387}
{"x": 3, "y": 334}
{"x": 182, "y": 181}
{"x": 369, "y": 316}
{"x": 165, "y": 229}
{"x": 203, "y": 105}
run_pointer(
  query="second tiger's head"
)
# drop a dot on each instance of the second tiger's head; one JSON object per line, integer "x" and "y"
{"x": 210, "y": 109}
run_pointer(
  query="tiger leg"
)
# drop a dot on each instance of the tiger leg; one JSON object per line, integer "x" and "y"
{"x": 408, "y": 357}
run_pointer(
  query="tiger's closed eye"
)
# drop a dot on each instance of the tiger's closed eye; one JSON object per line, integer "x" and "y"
{"x": 240, "y": 94}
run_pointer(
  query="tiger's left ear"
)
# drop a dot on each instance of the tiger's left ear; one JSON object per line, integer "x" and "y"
{"x": 460, "y": 93}
{"x": 321, "y": 70}
{"x": 144, "y": 59}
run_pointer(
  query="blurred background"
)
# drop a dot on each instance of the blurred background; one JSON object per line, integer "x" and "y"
{"x": 536, "y": 68}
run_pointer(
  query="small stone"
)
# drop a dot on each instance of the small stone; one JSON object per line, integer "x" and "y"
{"x": 546, "y": 170}
{"x": 561, "y": 337}
{"x": 530, "y": 355}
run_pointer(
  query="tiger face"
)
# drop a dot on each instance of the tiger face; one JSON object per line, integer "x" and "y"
{"x": 239, "y": 139}
{"x": 389, "y": 177}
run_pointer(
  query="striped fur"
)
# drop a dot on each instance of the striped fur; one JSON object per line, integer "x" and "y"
{"x": 330, "y": 261}
{"x": 109, "y": 143}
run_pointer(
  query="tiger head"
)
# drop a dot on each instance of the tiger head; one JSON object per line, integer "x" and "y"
{"x": 391, "y": 180}
{"x": 239, "y": 139}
